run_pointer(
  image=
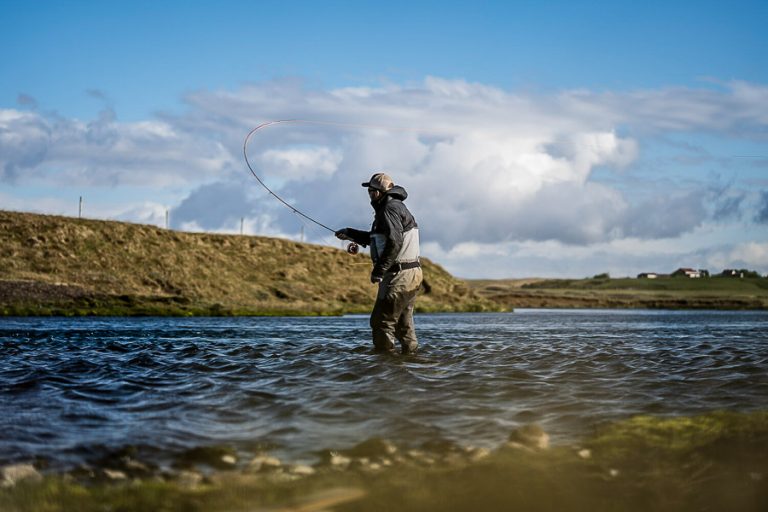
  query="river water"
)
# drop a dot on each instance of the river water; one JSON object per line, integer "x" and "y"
{"x": 73, "y": 389}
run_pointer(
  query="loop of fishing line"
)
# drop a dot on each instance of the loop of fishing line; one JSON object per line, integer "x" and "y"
{"x": 352, "y": 248}
{"x": 248, "y": 163}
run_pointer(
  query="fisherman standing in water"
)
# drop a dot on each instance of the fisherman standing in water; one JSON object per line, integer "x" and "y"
{"x": 394, "y": 242}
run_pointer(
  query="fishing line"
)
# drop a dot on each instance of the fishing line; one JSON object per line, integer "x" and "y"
{"x": 352, "y": 248}
{"x": 248, "y": 163}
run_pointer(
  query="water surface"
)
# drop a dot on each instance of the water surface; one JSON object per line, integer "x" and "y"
{"x": 73, "y": 389}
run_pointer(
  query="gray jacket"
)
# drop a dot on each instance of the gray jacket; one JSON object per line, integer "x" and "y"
{"x": 394, "y": 235}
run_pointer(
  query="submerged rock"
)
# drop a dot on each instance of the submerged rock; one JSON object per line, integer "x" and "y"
{"x": 477, "y": 454}
{"x": 15, "y": 473}
{"x": 302, "y": 470}
{"x": 188, "y": 479}
{"x": 219, "y": 457}
{"x": 114, "y": 474}
{"x": 420, "y": 457}
{"x": 529, "y": 436}
{"x": 372, "y": 448}
{"x": 339, "y": 461}
{"x": 441, "y": 447}
{"x": 264, "y": 462}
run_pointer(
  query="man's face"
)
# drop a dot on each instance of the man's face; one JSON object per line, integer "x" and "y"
{"x": 374, "y": 194}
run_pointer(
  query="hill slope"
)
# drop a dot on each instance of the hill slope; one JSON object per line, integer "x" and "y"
{"x": 61, "y": 265}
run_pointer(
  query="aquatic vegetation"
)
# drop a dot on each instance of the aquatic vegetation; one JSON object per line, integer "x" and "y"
{"x": 715, "y": 461}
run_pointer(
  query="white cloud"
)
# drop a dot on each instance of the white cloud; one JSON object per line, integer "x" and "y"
{"x": 35, "y": 148}
{"x": 490, "y": 172}
{"x": 146, "y": 212}
{"x": 297, "y": 164}
{"x": 751, "y": 255}
{"x": 620, "y": 258}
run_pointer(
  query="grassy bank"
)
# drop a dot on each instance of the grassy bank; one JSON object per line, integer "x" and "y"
{"x": 51, "y": 265}
{"x": 715, "y": 461}
{"x": 661, "y": 293}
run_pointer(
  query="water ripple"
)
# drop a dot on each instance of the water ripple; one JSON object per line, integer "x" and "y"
{"x": 72, "y": 388}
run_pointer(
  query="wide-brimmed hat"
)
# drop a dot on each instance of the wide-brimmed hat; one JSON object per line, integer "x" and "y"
{"x": 379, "y": 181}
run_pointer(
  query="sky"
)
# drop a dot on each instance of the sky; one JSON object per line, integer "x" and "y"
{"x": 535, "y": 139}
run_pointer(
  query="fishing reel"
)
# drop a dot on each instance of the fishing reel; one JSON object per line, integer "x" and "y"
{"x": 353, "y": 248}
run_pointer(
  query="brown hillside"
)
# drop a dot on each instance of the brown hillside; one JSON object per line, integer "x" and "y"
{"x": 60, "y": 265}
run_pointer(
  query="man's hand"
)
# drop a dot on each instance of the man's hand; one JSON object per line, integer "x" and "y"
{"x": 342, "y": 234}
{"x": 376, "y": 278}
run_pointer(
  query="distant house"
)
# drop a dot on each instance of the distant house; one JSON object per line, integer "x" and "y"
{"x": 648, "y": 275}
{"x": 732, "y": 272}
{"x": 687, "y": 272}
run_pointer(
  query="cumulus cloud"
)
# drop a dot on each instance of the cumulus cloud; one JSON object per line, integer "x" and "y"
{"x": 484, "y": 166}
{"x": 24, "y": 140}
{"x": 213, "y": 206}
{"x": 300, "y": 163}
{"x": 750, "y": 255}
{"x": 761, "y": 212}
{"x": 104, "y": 152}
{"x": 665, "y": 215}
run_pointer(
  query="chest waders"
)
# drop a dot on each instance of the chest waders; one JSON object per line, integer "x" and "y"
{"x": 392, "y": 315}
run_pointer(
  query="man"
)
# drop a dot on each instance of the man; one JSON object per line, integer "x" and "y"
{"x": 394, "y": 242}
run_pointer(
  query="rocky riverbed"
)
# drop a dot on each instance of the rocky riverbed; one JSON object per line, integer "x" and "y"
{"x": 710, "y": 462}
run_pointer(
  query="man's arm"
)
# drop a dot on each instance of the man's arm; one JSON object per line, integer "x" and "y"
{"x": 361, "y": 237}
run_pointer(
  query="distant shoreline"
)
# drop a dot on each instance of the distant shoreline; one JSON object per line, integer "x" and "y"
{"x": 715, "y": 293}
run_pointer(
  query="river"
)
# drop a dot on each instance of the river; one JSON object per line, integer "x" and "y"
{"x": 72, "y": 389}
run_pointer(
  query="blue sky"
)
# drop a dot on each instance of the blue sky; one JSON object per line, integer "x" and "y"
{"x": 611, "y": 136}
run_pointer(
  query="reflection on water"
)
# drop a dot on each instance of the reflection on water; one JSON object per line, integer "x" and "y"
{"x": 72, "y": 388}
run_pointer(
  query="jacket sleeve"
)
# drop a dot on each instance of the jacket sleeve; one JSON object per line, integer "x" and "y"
{"x": 393, "y": 229}
{"x": 361, "y": 237}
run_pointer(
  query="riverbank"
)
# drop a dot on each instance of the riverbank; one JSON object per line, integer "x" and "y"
{"x": 52, "y": 265}
{"x": 61, "y": 266}
{"x": 600, "y": 293}
{"x": 714, "y": 461}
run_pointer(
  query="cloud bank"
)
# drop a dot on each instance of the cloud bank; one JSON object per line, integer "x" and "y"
{"x": 484, "y": 167}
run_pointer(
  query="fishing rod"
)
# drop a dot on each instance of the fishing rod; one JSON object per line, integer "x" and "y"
{"x": 248, "y": 163}
{"x": 352, "y": 247}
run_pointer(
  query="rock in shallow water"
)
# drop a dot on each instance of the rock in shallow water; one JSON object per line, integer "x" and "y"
{"x": 114, "y": 474}
{"x": 339, "y": 461}
{"x": 372, "y": 448}
{"x": 476, "y": 454}
{"x": 219, "y": 457}
{"x": 302, "y": 470}
{"x": 529, "y": 436}
{"x": 188, "y": 479}
{"x": 264, "y": 462}
{"x": 15, "y": 473}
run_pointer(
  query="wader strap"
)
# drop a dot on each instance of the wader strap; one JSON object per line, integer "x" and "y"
{"x": 397, "y": 267}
